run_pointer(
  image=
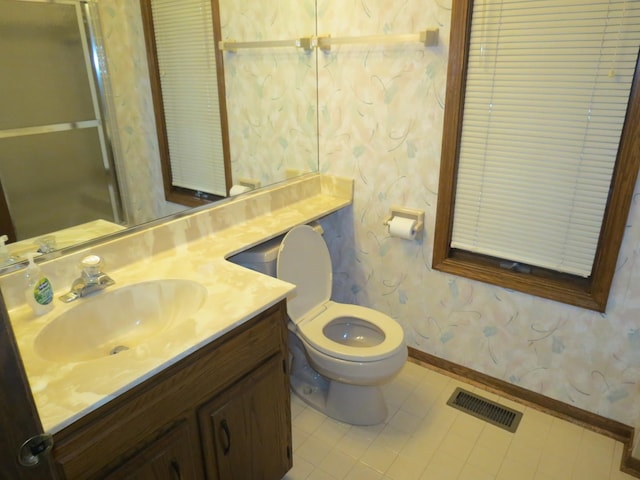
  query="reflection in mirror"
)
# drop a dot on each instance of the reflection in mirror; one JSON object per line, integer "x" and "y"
{"x": 187, "y": 82}
{"x": 61, "y": 183}
{"x": 271, "y": 92}
{"x": 271, "y": 101}
{"x": 56, "y": 166}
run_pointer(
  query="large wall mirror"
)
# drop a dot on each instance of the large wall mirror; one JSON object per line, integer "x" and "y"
{"x": 79, "y": 154}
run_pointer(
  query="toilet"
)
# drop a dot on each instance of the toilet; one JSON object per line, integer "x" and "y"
{"x": 341, "y": 354}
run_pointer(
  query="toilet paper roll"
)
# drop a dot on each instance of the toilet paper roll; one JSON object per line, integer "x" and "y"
{"x": 238, "y": 189}
{"x": 403, "y": 228}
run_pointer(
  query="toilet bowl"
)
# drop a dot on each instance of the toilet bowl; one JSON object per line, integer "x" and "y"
{"x": 341, "y": 353}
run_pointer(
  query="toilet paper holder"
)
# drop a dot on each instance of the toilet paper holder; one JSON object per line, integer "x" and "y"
{"x": 411, "y": 213}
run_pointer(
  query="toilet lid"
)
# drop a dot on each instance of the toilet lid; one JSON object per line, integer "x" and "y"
{"x": 304, "y": 260}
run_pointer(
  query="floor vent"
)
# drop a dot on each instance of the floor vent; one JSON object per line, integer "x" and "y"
{"x": 486, "y": 410}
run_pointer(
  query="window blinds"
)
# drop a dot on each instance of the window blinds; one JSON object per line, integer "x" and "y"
{"x": 187, "y": 64}
{"x": 547, "y": 89}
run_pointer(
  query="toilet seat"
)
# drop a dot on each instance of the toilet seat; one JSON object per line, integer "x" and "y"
{"x": 312, "y": 331}
{"x": 304, "y": 260}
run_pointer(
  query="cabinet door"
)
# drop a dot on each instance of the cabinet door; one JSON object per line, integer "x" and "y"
{"x": 173, "y": 456}
{"x": 246, "y": 431}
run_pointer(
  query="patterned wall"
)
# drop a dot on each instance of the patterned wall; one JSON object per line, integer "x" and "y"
{"x": 381, "y": 113}
{"x": 271, "y": 92}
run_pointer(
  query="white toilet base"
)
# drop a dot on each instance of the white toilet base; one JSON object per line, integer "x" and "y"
{"x": 352, "y": 404}
{"x": 365, "y": 405}
{"x": 356, "y": 404}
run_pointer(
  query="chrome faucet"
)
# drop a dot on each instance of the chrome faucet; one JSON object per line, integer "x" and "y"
{"x": 91, "y": 280}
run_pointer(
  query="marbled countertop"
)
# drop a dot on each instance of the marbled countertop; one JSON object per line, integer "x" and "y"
{"x": 64, "y": 391}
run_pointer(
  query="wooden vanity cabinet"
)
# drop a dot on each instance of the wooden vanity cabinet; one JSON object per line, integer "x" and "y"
{"x": 223, "y": 412}
{"x": 242, "y": 429}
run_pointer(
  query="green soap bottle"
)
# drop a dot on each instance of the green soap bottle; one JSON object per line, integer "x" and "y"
{"x": 38, "y": 291}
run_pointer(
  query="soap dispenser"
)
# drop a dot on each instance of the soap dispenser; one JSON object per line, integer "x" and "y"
{"x": 38, "y": 291}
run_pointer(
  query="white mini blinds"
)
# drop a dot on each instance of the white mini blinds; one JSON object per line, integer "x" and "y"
{"x": 188, "y": 74}
{"x": 546, "y": 96}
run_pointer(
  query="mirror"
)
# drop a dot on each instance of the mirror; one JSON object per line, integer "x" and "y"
{"x": 271, "y": 109}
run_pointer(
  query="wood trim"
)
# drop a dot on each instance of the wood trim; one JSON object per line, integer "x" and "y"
{"x": 190, "y": 198}
{"x": 455, "y": 93}
{"x": 605, "y": 426}
{"x": 591, "y": 293}
{"x": 6, "y": 222}
{"x": 222, "y": 94}
{"x": 559, "y": 288}
{"x": 156, "y": 93}
{"x": 623, "y": 184}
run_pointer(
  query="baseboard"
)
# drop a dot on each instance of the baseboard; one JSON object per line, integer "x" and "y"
{"x": 616, "y": 430}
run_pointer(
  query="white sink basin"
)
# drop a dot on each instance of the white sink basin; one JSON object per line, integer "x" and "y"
{"x": 116, "y": 320}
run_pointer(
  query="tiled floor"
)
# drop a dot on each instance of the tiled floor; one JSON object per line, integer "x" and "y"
{"x": 423, "y": 438}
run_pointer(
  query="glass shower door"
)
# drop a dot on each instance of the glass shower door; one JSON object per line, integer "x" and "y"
{"x": 55, "y": 164}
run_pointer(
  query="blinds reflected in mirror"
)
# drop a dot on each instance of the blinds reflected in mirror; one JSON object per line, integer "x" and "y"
{"x": 187, "y": 63}
{"x": 546, "y": 96}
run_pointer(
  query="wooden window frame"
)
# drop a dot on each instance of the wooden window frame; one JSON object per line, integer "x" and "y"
{"x": 172, "y": 193}
{"x": 591, "y": 292}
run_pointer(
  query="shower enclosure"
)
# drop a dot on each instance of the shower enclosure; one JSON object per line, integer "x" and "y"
{"x": 56, "y": 164}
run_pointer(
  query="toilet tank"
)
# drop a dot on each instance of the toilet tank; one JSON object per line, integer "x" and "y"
{"x": 263, "y": 257}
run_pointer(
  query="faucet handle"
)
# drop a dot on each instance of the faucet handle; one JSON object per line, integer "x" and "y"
{"x": 92, "y": 265}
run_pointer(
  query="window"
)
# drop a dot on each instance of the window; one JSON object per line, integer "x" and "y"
{"x": 490, "y": 119}
{"x": 187, "y": 82}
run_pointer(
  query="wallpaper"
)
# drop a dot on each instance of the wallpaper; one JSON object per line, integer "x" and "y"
{"x": 381, "y": 112}
{"x": 270, "y": 92}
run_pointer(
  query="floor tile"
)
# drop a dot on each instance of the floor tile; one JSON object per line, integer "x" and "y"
{"x": 443, "y": 467}
{"x": 338, "y": 464}
{"x": 360, "y": 471}
{"x": 425, "y": 439}
{"x": 486, "y": 459}
{"x": 470, "y": 472}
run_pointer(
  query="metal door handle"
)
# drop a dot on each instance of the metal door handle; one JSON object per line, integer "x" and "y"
{"x": 227, "y": 437}
{"x": 175, "y": 469}
{"x": 30, "y": 451}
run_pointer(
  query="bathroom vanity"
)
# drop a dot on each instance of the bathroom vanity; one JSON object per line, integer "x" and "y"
{"x": 223, "y": 410}
{"x": 203, "y": 395}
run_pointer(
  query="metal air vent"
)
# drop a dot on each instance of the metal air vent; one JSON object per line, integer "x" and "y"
{"x": 484, "y": 409}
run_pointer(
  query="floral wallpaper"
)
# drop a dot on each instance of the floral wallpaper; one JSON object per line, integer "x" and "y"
{"x": 381, "y": 112}
{"x": 270, "y": 92}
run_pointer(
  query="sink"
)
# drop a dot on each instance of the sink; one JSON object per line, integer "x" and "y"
{"x": 116, "y": 320}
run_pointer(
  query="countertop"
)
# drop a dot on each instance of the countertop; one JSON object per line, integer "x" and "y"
{"x": 64, "y": 392}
